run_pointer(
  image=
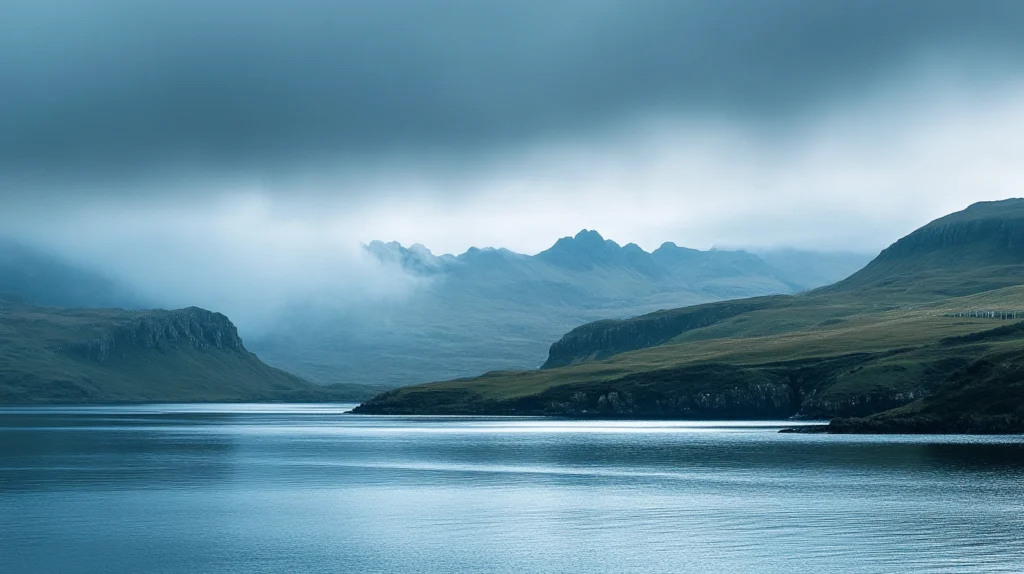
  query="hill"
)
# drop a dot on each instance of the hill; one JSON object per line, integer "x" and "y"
{"x": 496, "y": 309}
{"x": 984, "y": 397}
{"x": 978, "y": 249}
{"x": 61, "y": 355}
{"x": 880, "y": 340}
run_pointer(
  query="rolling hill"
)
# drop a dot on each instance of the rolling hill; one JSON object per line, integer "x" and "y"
{"x": 64, "y": 355}
{"x": 906, "y": 332}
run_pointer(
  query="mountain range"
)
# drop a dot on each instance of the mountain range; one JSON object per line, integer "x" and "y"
{"x": 468, "y": 314}
{"x": 494, "y": 308}
{"x": 927, "y": 337}
{"x": 920, "y": 340}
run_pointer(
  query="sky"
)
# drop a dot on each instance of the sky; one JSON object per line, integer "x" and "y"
{"x": 201, "y": 148}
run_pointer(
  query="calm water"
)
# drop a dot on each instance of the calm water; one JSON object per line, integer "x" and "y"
{"x": 251, "y": 488}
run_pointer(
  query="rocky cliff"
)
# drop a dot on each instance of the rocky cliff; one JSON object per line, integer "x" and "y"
{"x": 191, "y": 328}
{"x": 602, "y": 339}
{"x": 65, "y": 355}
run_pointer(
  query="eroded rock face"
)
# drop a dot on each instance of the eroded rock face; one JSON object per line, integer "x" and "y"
{"x": 768, "y": 400}
{"x": 858, "y": 405}
{"x": 603, "y": 339}
{"x": 193, "y": 328}
{"x": 703, "y": 391}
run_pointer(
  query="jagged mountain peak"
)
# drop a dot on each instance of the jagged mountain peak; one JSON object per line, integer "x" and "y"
{"x": 589, "y": 236}
{"x": 670, "y": 251}
{"x": 416, "y": 258}
{"x": 586, "y": 249}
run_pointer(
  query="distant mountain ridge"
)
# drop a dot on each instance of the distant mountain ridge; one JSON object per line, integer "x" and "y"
{"x": 485, "y": 308}
{"x": 493, "y": 308}
{"x": 905, "y": 342}
{"x": 589, "y": 250}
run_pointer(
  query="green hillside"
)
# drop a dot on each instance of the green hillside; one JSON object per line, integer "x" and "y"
{"x": 887, "y": 337}
{"x": 59, "y": 355}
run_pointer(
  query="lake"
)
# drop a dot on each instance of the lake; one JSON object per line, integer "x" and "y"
{"x": 306, "y": 488}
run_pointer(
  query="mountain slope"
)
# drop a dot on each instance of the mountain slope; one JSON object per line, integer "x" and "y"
{"x": 978, "y": 249}
{"x": 46, "y": 279}
{"x": 984, "y": 396}
{"x": 868, "y": 344}
{"x": 59, "y": 355}
{"x": 493, "y": 308}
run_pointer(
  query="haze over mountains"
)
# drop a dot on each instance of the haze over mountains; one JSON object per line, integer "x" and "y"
{"x": 48, "y": 279}
{"x": 917, "y": 340}
{"x": 462, "y": 315}
{"x": 495, "y": 309}
{"x": 914, "y": 339}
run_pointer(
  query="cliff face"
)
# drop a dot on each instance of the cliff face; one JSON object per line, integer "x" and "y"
{"x": 700, "y": 392}
{"x": 805, "y": 388}
{"x": 984, "y": 397}
{"x": 706, "y": 392}
{"x": 602, "y": 339}
{"x": 66, "y": 355}
{"x": 190, "y": 328}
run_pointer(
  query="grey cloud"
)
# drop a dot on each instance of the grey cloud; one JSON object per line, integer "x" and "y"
{"x": 108, "y": 87}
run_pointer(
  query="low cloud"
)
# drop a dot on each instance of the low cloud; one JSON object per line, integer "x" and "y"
{"x": 129, "y": 90}
{"x": 851, "y": 177}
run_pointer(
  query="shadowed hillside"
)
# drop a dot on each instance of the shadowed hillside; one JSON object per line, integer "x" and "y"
{"x": 888, "y": 336}
{"x": 978, "y": 249}
{"x": 60, "y": 355}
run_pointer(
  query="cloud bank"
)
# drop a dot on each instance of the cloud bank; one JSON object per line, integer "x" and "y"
{"x": 235, "y": 154}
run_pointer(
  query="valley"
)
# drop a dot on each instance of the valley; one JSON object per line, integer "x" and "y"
{"x": 885, "y": 342}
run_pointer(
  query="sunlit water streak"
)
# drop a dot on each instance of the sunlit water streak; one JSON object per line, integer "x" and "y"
{"x": 306, "y": 488}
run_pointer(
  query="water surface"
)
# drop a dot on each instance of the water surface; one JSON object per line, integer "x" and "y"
{"x": 305, "y": 488}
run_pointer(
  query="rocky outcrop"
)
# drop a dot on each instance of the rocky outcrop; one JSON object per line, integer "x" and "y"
{"x": 771, "y": 400}
{"x": 801, "y": 388}
{"x": 860, "y": 405}
{"x": 767, "y": 400}
{"x": 192, "y": 328}
{"x": 603, "y": 339}
{"x": 919, "y": 424}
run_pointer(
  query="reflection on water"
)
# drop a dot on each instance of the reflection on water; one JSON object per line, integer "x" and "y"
{"x": 305, "y": 488}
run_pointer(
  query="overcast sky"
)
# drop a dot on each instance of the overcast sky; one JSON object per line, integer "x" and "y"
{"x": 251, "y": 139}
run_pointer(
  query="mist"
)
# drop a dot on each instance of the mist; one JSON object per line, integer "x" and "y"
{"x": 242, "y": 166}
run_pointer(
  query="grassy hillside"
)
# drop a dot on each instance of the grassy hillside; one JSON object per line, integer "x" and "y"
{"x": 985, "y": 396}
{"x": 829, "y": 359}
{"x": 885, "y": 338}
{"x": 57, "y": 355}
{"x": 978, "y": 249}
